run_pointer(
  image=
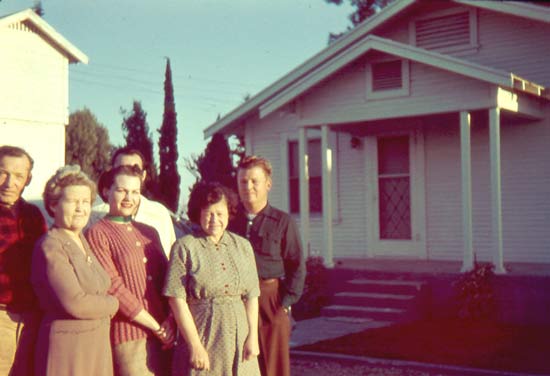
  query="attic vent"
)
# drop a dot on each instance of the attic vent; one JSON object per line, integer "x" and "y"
{"x": 387, "y": 75}
{"x": 444, "y": 31}
{"x": 19, "y": 26}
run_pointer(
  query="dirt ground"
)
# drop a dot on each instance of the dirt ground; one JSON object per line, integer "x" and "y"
{"x": 302, "y": 366}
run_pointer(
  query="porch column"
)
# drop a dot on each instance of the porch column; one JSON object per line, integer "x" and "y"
{"x": 496, "y": 196}
{"x": 327, "y": 196}
{"x": 466, "y": 168}
{"x": 304, "y": 189}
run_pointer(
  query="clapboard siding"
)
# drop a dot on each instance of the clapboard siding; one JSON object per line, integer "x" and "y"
{"x": 514, "y": 45}
{"x": 349, "y": 232}
{"x": 34, "y": 77}
{"x": 435, "y": 98}
{"x": 343, "y": 97}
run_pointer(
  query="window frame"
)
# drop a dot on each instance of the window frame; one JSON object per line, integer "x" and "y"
{"x": 459, "y": 50}
{"x": 404, "y": 90}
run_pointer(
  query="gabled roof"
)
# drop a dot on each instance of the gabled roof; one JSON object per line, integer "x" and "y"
{"x": 318, "y": 64}
{"x": 28, "y": 16}
{"x": 405, "y": 51}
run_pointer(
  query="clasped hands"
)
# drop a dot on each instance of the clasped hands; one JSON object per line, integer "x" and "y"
{"x": 167, "y": 333}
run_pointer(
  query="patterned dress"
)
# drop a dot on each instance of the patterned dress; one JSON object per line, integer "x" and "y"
{"x": 214, "y": 279}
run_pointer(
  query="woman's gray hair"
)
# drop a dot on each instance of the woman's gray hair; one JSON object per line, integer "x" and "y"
{"x": 65, "y": 176}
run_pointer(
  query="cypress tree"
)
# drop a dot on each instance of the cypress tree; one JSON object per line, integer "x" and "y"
{"x": 169, "y": 190}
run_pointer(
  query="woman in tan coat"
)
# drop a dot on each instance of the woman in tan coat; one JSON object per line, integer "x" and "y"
{"x": 71, "y": 285}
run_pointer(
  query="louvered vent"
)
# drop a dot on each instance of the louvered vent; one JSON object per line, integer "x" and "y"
{"x": 443, "y": 32}
{"x": 387, "y": 75}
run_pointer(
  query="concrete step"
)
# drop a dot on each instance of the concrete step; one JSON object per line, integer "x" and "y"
{"x": 374, "y": 313}
{"x": 384, "y": 286}
{"x": 373, "y": 299}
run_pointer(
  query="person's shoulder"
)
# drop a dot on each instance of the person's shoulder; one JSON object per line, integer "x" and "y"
{"x": 278, "y": 214}
{"x": 29, "y": 209}
{"x": 151, "y": 208}
{"x": 51, "y": 240}
{"x": 236, "y": 237}
{"x": 189, "y": 240}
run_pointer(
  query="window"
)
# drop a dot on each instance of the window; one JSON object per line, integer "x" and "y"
{"x": 315, "y": 176}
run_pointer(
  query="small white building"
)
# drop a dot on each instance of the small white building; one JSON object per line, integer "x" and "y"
{"x": 427, "y": 133}
{"x": 34, "y": 94}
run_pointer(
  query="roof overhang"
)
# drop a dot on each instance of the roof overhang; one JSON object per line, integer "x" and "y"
{"x": 356, "y": 42}
{"x": 45, "y": 30}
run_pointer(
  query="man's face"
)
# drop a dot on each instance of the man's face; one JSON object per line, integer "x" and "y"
{"x": 254, "y": 186}
{"x": 15, "y": 175}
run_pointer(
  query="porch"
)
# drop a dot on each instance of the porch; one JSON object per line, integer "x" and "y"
{"x": 391, "y": 290}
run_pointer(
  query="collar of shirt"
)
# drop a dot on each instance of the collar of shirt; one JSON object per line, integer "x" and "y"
{"x": 203, "y": 240}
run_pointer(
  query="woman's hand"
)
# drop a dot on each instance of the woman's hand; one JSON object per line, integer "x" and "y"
{"x": 167, "y": 332}
{"x": 251, "y": 348}
{"x": 198, "y": 357}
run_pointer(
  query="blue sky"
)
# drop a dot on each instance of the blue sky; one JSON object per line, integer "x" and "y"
{"x": 220, "y": 50}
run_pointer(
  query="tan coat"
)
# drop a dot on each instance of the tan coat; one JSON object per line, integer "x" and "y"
{"x": 72, "y": 290}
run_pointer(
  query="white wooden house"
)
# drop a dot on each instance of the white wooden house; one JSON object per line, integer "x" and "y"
{"x": 427, "y": 131}
{"x": 34, "y": 91}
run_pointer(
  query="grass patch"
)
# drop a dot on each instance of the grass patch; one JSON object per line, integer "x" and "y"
{"x": 478, "y": 344}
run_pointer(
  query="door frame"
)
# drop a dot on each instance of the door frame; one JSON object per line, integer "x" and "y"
{"x": 416, "y": 246}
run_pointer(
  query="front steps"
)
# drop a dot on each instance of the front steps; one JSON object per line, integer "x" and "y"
{"x": 388, "y": 300}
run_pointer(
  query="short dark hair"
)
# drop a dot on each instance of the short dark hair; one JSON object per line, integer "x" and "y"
{"x": 205, "y": 194}
{"x": 15, "y": 151}
{"x": 128, "y": 151}
{"x": 251, "y": 161}
{"x": 107, "y": 178}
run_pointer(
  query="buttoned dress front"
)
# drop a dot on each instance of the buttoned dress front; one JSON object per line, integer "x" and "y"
{"x": 214, "y": 279}
{"x": 72, "y": 290}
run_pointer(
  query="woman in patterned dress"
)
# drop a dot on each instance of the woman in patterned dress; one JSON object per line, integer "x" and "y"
{"x": 213, "y": 290}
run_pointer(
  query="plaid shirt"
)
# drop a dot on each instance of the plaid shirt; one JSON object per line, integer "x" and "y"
{"x": 20, "y": 227}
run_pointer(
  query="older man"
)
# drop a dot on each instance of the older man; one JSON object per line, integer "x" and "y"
{"x": 149, "y": 212}
{"x": 21, "y": 224}
{"x": 279, "y": 258}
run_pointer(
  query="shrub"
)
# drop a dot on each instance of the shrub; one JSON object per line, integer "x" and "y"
{"x": 316, "y": 290}
{"x": 475, "y": 293}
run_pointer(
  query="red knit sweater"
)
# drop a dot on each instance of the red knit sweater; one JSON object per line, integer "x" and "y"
{"x": 132, "y": 255}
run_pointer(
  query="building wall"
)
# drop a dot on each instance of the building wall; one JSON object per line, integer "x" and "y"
{"x": 34, "y": 78}
{"x": 509, "y": 43}
{"x": 342, "y": 97}
{"x": 524, "y": 152}
{"x": 46, "y": 147}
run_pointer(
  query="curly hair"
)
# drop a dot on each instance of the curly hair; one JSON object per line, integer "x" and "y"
{"x": 205, "y": 194}
{"x": 65, "y": 176}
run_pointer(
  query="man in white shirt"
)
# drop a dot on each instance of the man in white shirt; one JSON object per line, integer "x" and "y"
{"x": 150, "y": 212}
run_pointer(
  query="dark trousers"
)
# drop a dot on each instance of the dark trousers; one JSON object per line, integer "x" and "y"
{"x": 274, "y": 327}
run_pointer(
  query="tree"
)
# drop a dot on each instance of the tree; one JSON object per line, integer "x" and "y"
{"x": 169, "y": 190}
{"x": 38, "y": 8}
{"x": 87, "y": 143}
{"x": 137, "y": 136}
{"x": 363, "y": 10}
{"x": 215, "y": 164}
